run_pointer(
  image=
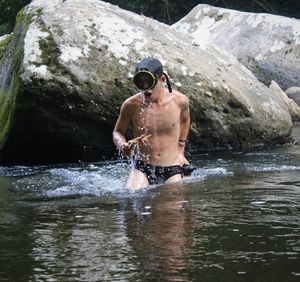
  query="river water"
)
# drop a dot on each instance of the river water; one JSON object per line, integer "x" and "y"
{"x": 236, "y": 219}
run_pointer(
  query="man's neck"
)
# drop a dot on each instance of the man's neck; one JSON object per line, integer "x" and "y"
{"x": 159, "y": 100}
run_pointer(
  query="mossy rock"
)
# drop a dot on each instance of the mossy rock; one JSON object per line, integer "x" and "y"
{"x": 4, "y": 42}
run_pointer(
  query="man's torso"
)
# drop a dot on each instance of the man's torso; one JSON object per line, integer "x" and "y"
{"x": 162, "y": 122}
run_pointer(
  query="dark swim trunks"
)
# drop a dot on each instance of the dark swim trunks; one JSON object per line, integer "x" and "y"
{"x": 160, "y": 174}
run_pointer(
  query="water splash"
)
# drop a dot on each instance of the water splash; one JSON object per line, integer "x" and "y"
{"x": 203, "y": 173}
{"x": 93, "y": 179}
{"x": 144, "y": 127}
{"x": 100, "y": 179}
{"x": 108, "y": 178}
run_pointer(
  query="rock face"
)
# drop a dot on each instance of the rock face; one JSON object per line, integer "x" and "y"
{"x": 268, "y": 45}
{"x": 69, "y": 67}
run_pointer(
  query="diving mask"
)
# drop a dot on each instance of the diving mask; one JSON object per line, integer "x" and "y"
{"x": 147, "y": 73}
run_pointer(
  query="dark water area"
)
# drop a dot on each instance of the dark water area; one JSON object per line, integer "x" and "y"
{"x": 236, "y": 219}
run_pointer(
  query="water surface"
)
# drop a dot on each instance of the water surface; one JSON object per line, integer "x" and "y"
{"x": 236, "y": 219}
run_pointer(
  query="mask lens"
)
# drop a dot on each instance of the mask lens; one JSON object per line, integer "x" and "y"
{"x": 144, "y": 80}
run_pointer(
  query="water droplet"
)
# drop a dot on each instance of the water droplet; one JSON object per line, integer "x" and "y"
{"x": 258, "y": 203}
{"x": 145, "y": 213}
{"x": 241, "y": 272}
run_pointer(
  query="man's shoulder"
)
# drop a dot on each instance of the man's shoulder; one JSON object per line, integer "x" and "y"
{"x": 180, "y": 97}
{"x": 133, "y": 100}
{"x": 179, "y": 94}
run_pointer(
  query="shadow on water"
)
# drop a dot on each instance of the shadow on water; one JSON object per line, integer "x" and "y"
{"x": 236, "y": 219}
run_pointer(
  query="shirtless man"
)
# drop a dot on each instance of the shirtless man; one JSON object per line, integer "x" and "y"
{"x": 162, "y": 117}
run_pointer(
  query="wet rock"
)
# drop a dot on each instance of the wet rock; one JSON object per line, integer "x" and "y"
{"x": 69, "y": 67}
{"x": 266, "y": 44}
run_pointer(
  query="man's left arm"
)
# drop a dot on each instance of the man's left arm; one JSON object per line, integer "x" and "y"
{"x": 184, "y": 128}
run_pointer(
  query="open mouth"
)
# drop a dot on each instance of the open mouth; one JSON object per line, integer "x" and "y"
{"x": 147, "y": 94}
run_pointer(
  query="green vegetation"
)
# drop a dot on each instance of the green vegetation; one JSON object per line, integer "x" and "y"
{"x": 8, "y": 12}
{"x": 9, "y": 94}
{"x": 4, "y": 44}
{"x": 7, "y": 103}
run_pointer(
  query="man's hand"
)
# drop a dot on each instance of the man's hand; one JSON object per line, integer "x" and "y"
{"x": 140, "y": 139}
{"x": 127, "y": 149}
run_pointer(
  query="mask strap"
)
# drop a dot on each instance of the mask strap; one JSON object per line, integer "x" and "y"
{"x": 168, "y": 82}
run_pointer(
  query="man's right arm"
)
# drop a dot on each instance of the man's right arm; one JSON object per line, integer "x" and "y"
{"x": 120, "y": 129}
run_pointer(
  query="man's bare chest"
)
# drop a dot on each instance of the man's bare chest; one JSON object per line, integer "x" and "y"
{"x": 154, "y": 119}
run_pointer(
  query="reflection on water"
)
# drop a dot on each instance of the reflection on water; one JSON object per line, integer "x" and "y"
{"x": 236, "y": 219}
{"x": 160, "y": 230}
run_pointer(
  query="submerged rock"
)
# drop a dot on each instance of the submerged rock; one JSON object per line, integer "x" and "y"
{"x": 268, "y": 45}
{"x": 69, "y": 67}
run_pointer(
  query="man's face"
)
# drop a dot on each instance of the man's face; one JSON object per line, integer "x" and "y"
{"x": 145, "y": 79}
{"x": 154, "y": 92}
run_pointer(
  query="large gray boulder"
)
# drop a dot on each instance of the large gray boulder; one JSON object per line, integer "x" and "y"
{"x": 69, "y": 67}
{"x": 268, "y": 45}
